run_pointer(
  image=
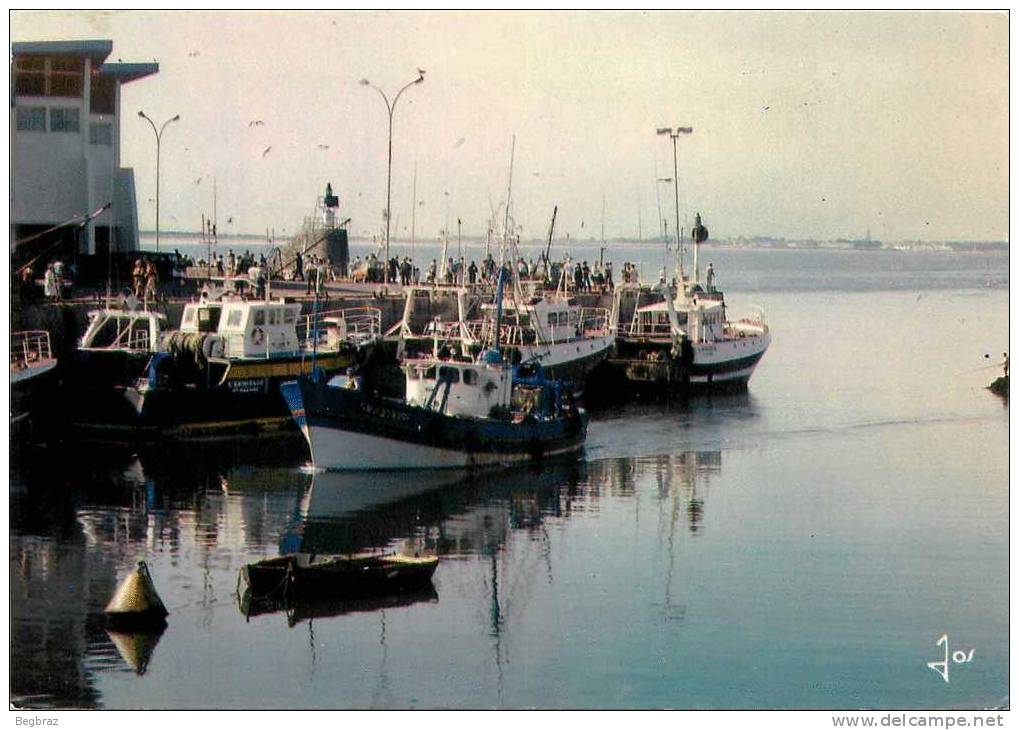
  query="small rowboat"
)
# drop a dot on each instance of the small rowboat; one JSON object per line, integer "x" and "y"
{"x": 309, "y": 575}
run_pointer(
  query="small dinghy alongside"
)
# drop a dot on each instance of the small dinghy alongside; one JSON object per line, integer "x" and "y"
{"x": 337, "y": 576}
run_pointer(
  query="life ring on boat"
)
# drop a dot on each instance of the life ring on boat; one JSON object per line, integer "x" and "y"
{"x": 258, "y": 336}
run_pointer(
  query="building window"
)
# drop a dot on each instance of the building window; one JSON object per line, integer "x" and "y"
{"x": 30, "y": 75}
{"x": 49, "y": 76}
{"x": 64, "y": 120}
{"x": 100, "y": 134}
{"x": 103, "y": 96}
{"x": 31, "y": 119}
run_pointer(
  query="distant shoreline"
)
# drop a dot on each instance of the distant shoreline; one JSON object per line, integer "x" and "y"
{"x": 757, "y": 244}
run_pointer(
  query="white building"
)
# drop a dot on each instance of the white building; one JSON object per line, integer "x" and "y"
{"x": 65, "y": 147}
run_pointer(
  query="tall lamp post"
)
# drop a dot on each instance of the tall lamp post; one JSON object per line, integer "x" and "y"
{"x": 389, "y": 168}
{"x": 159, "y": 137}
{"x": 674, "y": 133}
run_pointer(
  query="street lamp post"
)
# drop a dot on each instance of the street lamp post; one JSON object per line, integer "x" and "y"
{"x": 389, "y": 168}
{"x": 159, "y": 137}
{"x": 675, "y": 179}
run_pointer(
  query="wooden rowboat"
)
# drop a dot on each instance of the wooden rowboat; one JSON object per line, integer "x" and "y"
{"x": 309, "y": 575}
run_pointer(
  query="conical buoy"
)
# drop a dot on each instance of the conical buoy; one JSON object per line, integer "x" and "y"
{"x": 136, "y": 603}
{"x": 136, "y": 648}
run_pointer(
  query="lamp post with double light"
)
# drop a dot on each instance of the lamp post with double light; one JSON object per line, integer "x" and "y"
{"x": 674, "y": 133}
{"x": 159, "y": 137}
{"x": 390, "y": 108}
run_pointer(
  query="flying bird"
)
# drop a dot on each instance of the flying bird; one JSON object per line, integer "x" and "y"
{"x": 766, "y": 108}
{"x": 266, "y": 151}
{"x": 256, "y": 123}
{"x": 192, "y": 54}
{"x": 198, "y": 181}
{"x": 459, "y": 142}
{"x": 323, "y": 146}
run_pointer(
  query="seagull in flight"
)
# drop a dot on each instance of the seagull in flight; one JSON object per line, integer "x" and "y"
{"x": 459, "y": 142}
{"x": 192, "y": 54}
{"x": 256, "y": 123}
{"x": 198, "y": 181}
{"x": 323, "y": 146}
{"x": 266, "y": 151}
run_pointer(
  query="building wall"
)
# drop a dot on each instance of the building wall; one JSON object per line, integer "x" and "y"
{"x": 57, "y": 176}
{"x": 49, "y": 168}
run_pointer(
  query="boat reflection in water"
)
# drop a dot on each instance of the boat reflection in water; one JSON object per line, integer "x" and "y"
{"x": 299, "y": 609}
{"x": 197, "y": 515}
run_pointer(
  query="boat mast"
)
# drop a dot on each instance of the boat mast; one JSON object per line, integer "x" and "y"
{"x": 509, "y": 192}
{"x": 413, "y": 208}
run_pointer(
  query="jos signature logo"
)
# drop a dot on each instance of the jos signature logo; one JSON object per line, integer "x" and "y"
{"x": 958, "y": 657}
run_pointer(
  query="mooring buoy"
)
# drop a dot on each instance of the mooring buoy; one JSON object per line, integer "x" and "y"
{"x": 136, "y": 604}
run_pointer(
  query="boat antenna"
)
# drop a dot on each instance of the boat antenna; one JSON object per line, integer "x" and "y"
{"x": 509, "y": 193}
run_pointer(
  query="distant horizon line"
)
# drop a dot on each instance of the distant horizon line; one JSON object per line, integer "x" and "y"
{"x": 756, "y": 238}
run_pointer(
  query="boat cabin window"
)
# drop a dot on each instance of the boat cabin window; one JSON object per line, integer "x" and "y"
{"x": 471, "y": 377}
{"x": 208, "y": 319}
{"x": 450, "y": 374}
{"x": 289, "y": 316}
{"x": 259, "y": 317}
{"x": 189, "y": 315}
{"x": 233, "y": 319}
{"x": 272, "y": 316}
{"x": 429, "y": 373}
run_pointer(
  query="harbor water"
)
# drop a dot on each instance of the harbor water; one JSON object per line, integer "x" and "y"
{"x": 802, "y": 545}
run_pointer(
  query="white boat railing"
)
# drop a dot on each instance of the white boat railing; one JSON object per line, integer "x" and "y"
{"x": 30, "y": 347}
{"x": 360, "y": 324}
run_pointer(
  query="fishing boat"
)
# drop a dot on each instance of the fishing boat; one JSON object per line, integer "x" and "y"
{"x": 220, "y": 372}
{"x": 550, "y": 329}
{"x": 32, "y": 367}
{"x": 324, "y": 576}
{"x": 685, "y": 342}
{"x": 456, "y": 413}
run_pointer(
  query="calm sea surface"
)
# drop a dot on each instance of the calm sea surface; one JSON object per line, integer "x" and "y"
{"x": 803, "y": 545}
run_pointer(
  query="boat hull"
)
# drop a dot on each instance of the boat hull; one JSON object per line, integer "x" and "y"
{"x": 347, "y": 430}
{"x": 339, "y": 576}
{"x": 570, "y": 360}
{"x": 246, "y": 401}
{"x": 649, "y": 367}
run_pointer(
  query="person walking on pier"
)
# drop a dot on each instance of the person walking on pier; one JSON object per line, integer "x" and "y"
{"x": 472, "y": 272}
{"x": 49, "y": 283}
{"x": 151, "y": 282}
{"x": 299, "y": 267}
{"x": 138, "y": 278}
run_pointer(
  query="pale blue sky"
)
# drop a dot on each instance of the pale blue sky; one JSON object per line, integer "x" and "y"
{"x": 805, "y": 125}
